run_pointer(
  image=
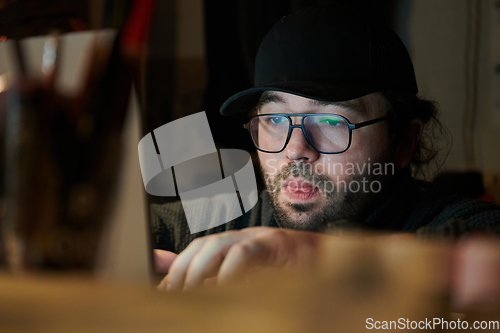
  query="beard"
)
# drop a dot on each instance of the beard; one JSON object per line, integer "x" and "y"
{"x": 351, "y": 198}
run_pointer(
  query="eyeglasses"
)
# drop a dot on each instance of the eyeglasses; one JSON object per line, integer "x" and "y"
{"x": 326, "y": 133}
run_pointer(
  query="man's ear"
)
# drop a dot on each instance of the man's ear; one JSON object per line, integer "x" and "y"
{"x": 406, "y": 147}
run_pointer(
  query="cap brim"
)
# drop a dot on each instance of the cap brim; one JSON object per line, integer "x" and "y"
{"x": 247, "y": 99}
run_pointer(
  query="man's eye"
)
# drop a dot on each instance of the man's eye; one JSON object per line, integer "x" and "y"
{"x": 330, "y": 121}
{"x": 276, "y": 120}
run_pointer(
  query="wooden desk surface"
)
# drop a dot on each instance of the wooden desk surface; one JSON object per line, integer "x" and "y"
{"x": 359, "y": 279}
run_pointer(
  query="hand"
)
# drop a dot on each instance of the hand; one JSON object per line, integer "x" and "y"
{"x": 475, "y": 273}
{"x": 230, "y": 255}
{"x": 163, "y": 260}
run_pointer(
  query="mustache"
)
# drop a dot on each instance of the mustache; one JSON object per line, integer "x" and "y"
{"x": 297, "y": 169}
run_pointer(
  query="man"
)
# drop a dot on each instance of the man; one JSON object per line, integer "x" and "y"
{"x": 338, "y": 126}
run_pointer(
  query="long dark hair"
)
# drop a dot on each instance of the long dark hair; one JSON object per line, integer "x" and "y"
{"x": 401, "y": 109}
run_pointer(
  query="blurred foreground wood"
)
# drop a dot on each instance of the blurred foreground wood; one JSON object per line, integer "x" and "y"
{"x": 359, "y": 278}
{"x": 386, "y": 278}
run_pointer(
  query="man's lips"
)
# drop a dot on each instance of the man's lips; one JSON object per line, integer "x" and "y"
{"x": 294, "y": 185}
{"x": 299, "y": 189}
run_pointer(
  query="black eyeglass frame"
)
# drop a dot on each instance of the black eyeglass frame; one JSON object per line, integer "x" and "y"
{"x": 350, "y": 125}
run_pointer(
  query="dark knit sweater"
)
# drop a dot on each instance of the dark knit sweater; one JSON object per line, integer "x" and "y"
{"x": 411, "y": 206}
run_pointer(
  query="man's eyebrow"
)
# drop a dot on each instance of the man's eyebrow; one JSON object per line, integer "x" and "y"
{"x": 268, "y": 97}
{"x": 271, "y": 97}
{"x": 343, "y": 104}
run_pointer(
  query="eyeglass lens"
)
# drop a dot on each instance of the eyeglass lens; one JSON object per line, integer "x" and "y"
{"x": 327, "y": 133}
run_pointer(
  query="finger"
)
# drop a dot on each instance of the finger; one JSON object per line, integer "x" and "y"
{"x": 210, "y": 282}
{"x": 163, "y": 260}
{"x": 164, "y": 285}
{"x": 177, "y": 272}
{"x": 207, "y": 261}
{"x": 243, "y": 258}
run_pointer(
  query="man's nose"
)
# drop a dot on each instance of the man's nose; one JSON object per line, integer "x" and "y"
{"x": 299, "y": 149}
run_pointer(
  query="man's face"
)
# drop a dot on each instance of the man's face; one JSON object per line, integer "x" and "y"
{"x": 308, "y": 188}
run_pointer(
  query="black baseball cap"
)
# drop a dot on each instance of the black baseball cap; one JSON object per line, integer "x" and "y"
{"x": 327, "y": 53}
